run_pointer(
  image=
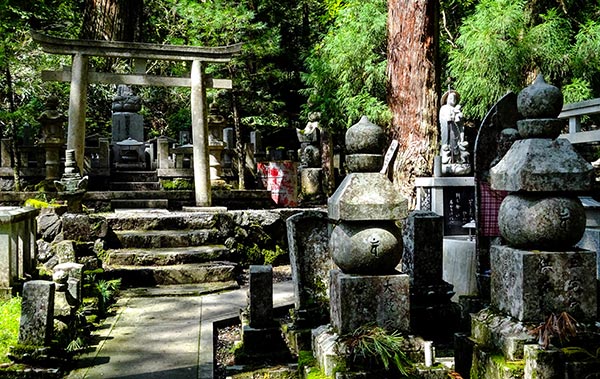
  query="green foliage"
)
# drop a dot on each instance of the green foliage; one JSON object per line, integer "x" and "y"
{"x": 504, "y": 43}
{"x": 373, "y": 346}
{"x": 257, "y": 255}
{"x": 35, "y": 203}
{"x": 177, "y": 184}
{"x": 344, "y": 84}
{"x": 106, "y": 291}
{"x": 10, "y": 316}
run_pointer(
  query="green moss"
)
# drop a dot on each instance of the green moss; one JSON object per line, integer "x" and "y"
{"x": 10, "y": 316}
{"x": 177, "y": 184}
{"x": 512, "y": 366}
{"x": 36, "y": 203}
{"x": 305, "y": 359}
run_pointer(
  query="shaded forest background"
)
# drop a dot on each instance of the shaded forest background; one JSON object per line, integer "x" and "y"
{"x": 390, "y": 60}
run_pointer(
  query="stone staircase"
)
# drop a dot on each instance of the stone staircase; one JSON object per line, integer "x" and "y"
{"x": 136, "y": 181}
{"x": 159, "y": 248}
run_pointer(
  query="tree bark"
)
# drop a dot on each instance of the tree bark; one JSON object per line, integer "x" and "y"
{"x": 413, "y": 88}
{"x": 112, "y": 20}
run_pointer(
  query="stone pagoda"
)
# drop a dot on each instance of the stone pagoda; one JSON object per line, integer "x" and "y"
{"x": 366, "y": 245}
{"x": 540, "y": 283}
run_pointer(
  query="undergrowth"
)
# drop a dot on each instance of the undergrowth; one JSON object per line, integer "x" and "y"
{"x": 10, "y": 315}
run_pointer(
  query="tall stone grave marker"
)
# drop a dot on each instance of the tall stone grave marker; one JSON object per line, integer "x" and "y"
{"x": 308, "y": 241}
{"x": 37, "y": 313}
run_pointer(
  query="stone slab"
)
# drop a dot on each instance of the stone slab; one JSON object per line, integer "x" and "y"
{"x": 260, "y": 296}
{"x": 357, "y": 300}
{"x": 531, "y": 284}
{"x": 366, "y": 196}
{"x": 460, "y": 265}
{"x": 37, "y": 313}
{"x": 422, "y": 258}
{"x": 310, "y": 259}
{"x": 542, "y": 165}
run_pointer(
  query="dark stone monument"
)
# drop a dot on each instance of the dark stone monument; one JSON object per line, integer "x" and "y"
{"x": 37, "y": 313}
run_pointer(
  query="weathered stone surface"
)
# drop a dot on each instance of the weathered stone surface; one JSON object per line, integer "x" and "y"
{"x": 540, "y": 128}
{"x": 422, "y": 256}
{"x": 364, "y": 162}
{"x": 64, "y": 251}
{"x": 310, "y": 260}
{"x": 37, "y": 309}
{"x": 366, "y": 247}
{"x": 49, "y": 223}
{"x": 366, "y": 196}
{"x": 530, "y": 285}
{"x": 83, "y": 227}
{"x": 260, "y": 296}
{"x": 541, "y": 222}
{"x": 540, "y": 100}
{"x": 493, "y": 331}
{"x": 364, "y": 137}
{"x": 44, "y": 251}
{"x": 310, "y": 180}
{"x": 542, "y": 165}
{"x": 543, "y": 363}
{"x": 357, "y": 300}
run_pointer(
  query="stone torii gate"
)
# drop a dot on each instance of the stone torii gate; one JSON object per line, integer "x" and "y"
{"x": 80, "y": 76}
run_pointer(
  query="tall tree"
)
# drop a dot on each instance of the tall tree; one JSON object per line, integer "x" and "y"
{"x": 112, "y": 20}
{"x": 413, "y": 87}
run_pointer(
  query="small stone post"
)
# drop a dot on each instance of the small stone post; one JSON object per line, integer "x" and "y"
{"x": 37, "y": 313}
{"x": 260, "y": 296}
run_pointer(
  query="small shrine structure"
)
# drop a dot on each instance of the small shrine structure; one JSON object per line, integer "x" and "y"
{"x": 80, "y": 75}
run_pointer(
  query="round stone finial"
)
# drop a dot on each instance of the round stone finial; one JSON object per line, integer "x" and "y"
{"x": 364, "y": 137}
{"x": 540, "y": 100}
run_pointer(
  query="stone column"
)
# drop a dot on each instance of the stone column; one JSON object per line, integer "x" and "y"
{"x": 260, "y": 307}
{"x": 77, "y": 106}
{"x": 200, "y": 136}
{"x": 162, "y": 153}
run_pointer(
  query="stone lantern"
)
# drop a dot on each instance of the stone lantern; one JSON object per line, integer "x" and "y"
{"x": 52, "y": 136}
{"x": 365, "y": 242}
{"x": 216, "y": 145}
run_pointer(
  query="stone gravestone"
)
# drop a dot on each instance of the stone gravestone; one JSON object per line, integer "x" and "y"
{"x": 495, "y": 136}
{"x": 432, "y": 313}
{"x": 308, "y": 241}
{"x": 37, "y": 313}
{"x": 261, "y": 335}
{"x": 260, "y": 296}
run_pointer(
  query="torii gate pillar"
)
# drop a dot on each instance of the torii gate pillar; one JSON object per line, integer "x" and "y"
{"x": 77, "y": 106}
{"x": 200, "y": 135}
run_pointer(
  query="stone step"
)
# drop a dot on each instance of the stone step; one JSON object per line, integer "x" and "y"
{"x": 194, "y": 289}
{"x": 133, "y": 176}
{"x": 162, "y": 220}
{"x": 191, "y": 273}
{"x": 135, "y": 186}
{"x": 168, "y": 255}
{"x": 165, "y": 238}
{"x": 139, "y": 203}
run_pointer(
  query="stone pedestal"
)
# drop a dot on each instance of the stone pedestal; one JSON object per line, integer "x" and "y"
{"x": 127, "y": 125}
{"x": 357, "y": 300}
{"x": 530, "y": 285}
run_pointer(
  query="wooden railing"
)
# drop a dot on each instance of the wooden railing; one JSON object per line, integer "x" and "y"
{"x": 573, "y": 112}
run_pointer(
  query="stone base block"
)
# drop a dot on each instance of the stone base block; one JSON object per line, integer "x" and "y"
{"x": 499, "y": 332}
{"x": 262, "y": 340}
{"x": 324, "y": 349}
{"x": 357, "y": 300}
{"x": 491, "y": 365}
{"x": 529, "y": 285}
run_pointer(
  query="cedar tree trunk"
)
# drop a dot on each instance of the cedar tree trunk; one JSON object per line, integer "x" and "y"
{"x": 413, "y": 87}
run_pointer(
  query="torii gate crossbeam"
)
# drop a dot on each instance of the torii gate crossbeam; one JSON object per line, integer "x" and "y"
{"x": 80, "y": 77}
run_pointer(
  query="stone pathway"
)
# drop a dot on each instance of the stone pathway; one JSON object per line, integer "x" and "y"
{"x": 165, "y": 336}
